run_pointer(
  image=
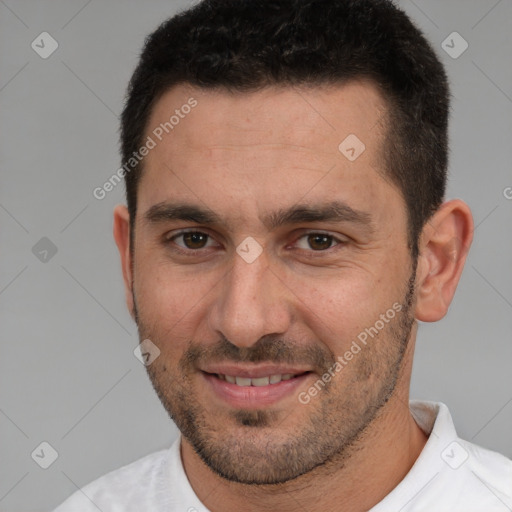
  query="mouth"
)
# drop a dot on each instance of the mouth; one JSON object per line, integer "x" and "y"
{"x": 257, "y": 381}
{"x": 254, "y": 388}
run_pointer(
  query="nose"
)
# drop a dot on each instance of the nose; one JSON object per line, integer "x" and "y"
{"x": 251, "y": 302}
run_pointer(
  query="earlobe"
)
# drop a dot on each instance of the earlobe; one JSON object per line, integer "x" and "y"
{"x": 122, "y": 239}
{"x": 444, "y": 244}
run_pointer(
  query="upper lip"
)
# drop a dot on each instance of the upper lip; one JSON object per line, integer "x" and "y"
{"x": 253, "y": 371}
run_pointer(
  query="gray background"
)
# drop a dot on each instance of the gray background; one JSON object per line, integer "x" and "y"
{"x": 68, "y": 375}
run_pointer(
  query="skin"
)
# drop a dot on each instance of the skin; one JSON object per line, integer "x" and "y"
{"x": 244, "y": 156}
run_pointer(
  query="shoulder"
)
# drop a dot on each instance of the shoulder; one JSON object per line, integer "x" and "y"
{"x": 493, "y": 470}
{"x": 471, "y": 479}
{"x": 450, "y": 474}
{"x": 121, "y": 489}
{"x": 464, "y": 476}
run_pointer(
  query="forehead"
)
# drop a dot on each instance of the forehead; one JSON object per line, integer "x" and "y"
{"x": 273, "y": 115}
{"x": 279, "y": 144}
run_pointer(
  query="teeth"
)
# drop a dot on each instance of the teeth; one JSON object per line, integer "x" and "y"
{"x": 243, "y": 381}
{"x": 261, "y": 381}
{"x": 258, "y": 381}
{"x": 274, "y": 379}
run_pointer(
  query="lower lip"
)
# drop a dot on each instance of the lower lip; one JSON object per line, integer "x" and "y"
{"x": 254, "y": 397}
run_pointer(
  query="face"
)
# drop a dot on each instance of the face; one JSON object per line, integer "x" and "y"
{"x": 271, "y": 269}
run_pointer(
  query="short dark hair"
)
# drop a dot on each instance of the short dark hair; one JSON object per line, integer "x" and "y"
{"x": 246, "y": 45}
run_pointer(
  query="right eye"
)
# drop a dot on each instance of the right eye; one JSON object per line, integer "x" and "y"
{"x": 192, "y": 241}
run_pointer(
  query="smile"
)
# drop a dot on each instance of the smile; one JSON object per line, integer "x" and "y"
{"x": 256, "y": 381}
{"x": 250, "y": 389}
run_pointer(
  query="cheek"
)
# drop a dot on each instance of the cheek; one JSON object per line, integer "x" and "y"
{"x": 342, "y": 308}
{"x": 168, "y": 302}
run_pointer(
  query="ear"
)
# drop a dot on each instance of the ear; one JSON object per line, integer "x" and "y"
{"x": 443, "y": 246}
{"x": 122, "y": 238}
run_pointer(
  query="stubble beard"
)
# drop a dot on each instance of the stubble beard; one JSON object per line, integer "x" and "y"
{"x": 248, "y": 447}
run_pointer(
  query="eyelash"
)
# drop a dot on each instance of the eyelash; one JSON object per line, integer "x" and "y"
{"x": 192, "y": 252}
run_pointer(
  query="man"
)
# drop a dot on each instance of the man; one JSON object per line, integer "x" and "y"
{"x": 285, "y": 166}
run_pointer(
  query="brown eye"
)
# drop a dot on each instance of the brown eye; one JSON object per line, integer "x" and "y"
{"x": 191, "y": 240}
{"x": 195, "y": 240}
{"x": 319, "y": 241}
{"x": 316, "y": 242}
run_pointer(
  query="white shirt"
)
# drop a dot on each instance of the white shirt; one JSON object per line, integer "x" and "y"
{"x": 450, "y": 475}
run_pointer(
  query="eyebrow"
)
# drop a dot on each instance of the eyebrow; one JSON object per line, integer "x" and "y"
{"x": 334, "y": 211}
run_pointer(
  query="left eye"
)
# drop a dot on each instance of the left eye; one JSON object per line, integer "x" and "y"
{"x": 318, "y": 241}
